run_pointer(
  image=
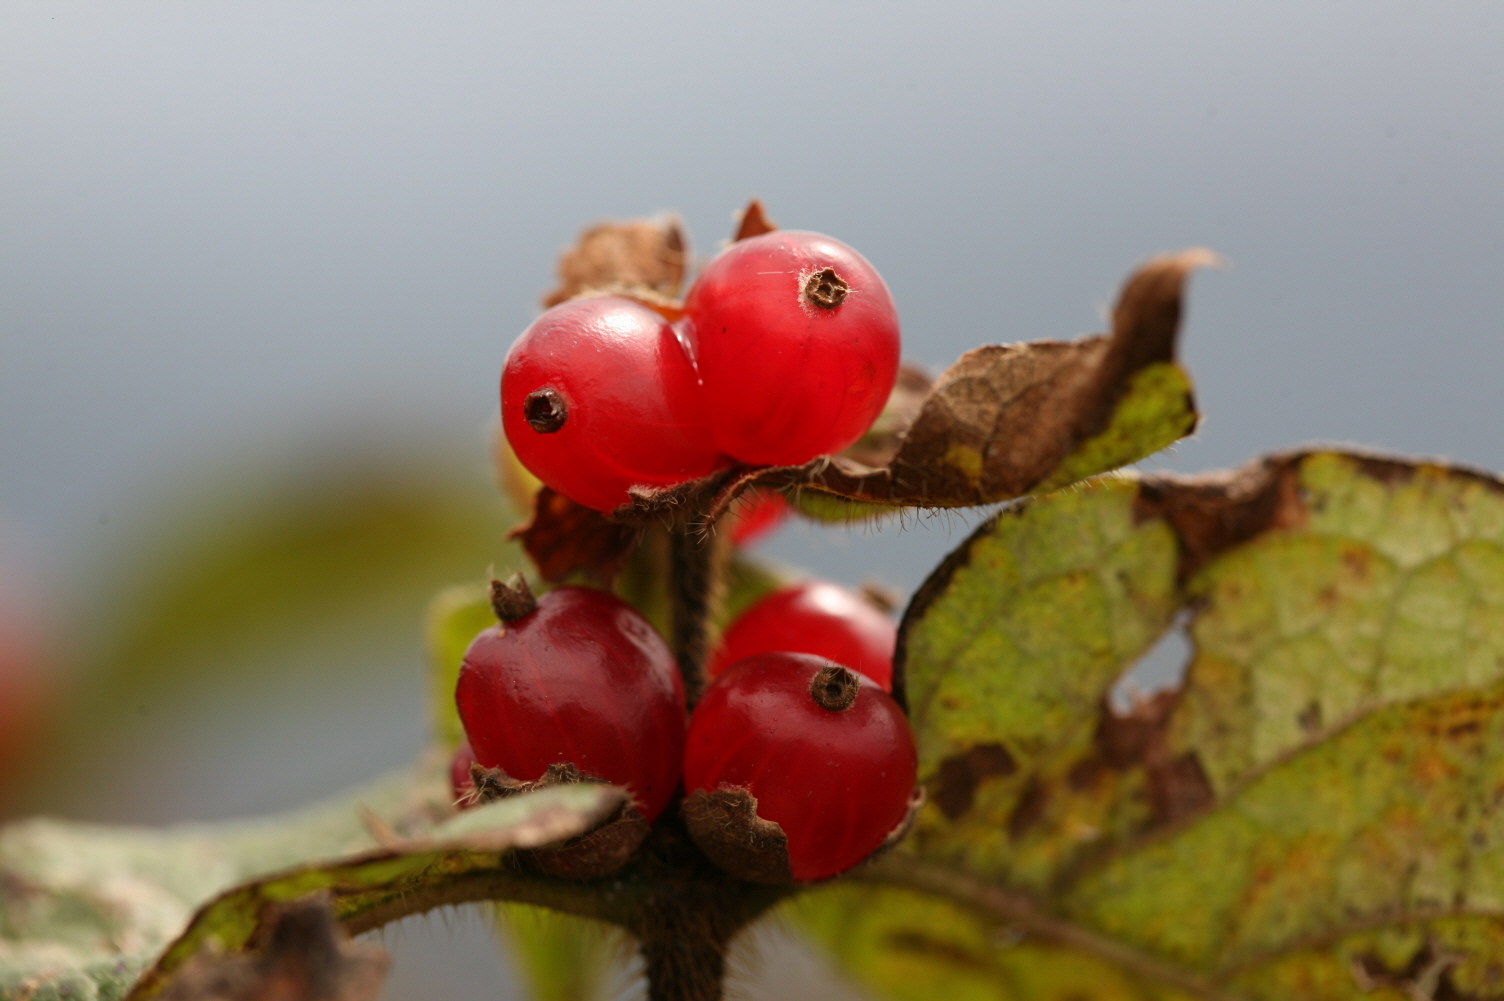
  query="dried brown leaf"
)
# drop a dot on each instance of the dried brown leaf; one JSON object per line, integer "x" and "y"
{"x": 645, "y": 256}
{"x": 565, "y": 538}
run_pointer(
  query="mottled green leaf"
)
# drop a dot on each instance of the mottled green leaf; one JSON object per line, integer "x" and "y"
{"x": 84, "y": 906}
{"x": 902, "y": 945}
{"x": 1313, "y": 813}
{"x": 1395, "y": 819}
{"x": 461, "y": 860}
{"x": 1010, "y": 649}
{"x": 87, "y": 907}
{"x": 1385, "y": 583}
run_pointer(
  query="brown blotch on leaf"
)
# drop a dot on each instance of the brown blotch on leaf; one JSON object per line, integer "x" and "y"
{"x": 834, "y": 688}
{"x": 1427, "y": 974}
{"x": 825, "y": 289}
{"x": 645, "y": 255}
{"x": 545, "y": 410}
{"x": 564, "y": 537}
{"x": 1178, "y": 787}
{"x": 513, "y": 599}
{"x": 1029, "y": 809}
{"x": 1213, "y": 512}
{"x": 726, "y": 827}
{"x": 753, "y": 221}
{"x": 959, "y": 776}
{"x": 1126, "y": 739}
{"x": 299, "y": 953}
{"x": 598, "y": 852}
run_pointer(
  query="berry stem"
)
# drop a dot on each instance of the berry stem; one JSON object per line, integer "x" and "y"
{"x": 697, "y": 570}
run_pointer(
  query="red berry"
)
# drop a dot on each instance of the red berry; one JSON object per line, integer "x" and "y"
{"x": 796, "y": 338}
{"x": 836, "y": 778}
{"x": 815, "y": 617}
{"x": 759, "y": 514}
{"x": 582, "y": 679}
{"x": 599, "y": 395}
{"x": 460, "y": 783}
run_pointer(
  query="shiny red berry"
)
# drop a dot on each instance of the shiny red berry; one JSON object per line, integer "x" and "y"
{"x": 826, "y": 755}
{"x": 599, "y": 395}
{"x": 796, "y": 338}
{"x": 580, "y": 679}
{"x": 819, "y": 618}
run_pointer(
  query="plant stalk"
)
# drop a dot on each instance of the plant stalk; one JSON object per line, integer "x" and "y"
{"x": 697, "y": 571}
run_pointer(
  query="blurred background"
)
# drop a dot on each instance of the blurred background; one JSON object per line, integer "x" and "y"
{"x": 260, "y": 263}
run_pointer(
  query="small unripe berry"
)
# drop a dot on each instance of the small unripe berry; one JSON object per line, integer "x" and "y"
{"x": 811, "y": 747}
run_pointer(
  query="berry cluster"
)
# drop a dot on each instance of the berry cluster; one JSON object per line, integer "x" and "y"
{"x": 787, "y": 348}
{"x": 796, "y": 763}
{"x": 576, "y": 686}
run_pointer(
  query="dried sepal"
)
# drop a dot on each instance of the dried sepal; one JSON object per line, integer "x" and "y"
{"x": 598, "y": 852}
{"x": 564, "y": 537}
{"x": 642, "y": 256}
{"x": 512, "y": 599}
{"x": 725, "y": 826}
{"x": 753, "y": 221}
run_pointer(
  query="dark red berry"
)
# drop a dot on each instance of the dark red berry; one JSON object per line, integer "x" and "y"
{"x": 819, "y": 618}
{"x": 826, "y": 755}
{"x": 796, "y": 338}
{"x": 759, "y": 513}
{"x": 584, "y": 680}
{"x": 598, "y": 395}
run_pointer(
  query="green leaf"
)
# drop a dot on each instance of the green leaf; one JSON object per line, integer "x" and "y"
{"x": 1155, "y": 411}
{"x": 455, "y": 617}
{"x": 1010, "y": 648}
{"x": 1385, "y": 584}
{"x": 87, "y": 907}
{"x": 903, "y": 945}
{"x": 1312, "y": 814}
{"x": 1392, "y": 821}
{"x": 461, "y": 860}
{"x": 563, "y": 957}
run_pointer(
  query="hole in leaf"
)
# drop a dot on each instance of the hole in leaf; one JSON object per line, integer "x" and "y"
{"x": 1161, "y": 668}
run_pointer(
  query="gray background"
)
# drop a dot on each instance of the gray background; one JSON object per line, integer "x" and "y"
{"x": 239, "y": 235}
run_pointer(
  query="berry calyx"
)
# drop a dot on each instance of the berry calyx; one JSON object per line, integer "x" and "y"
{"x": 796, "y": 338}
{"x": 814, "y": 617}
{"x": 598, "y": 395}
{"x": 579, "y": 679}
{"x": 795, "y": 742}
